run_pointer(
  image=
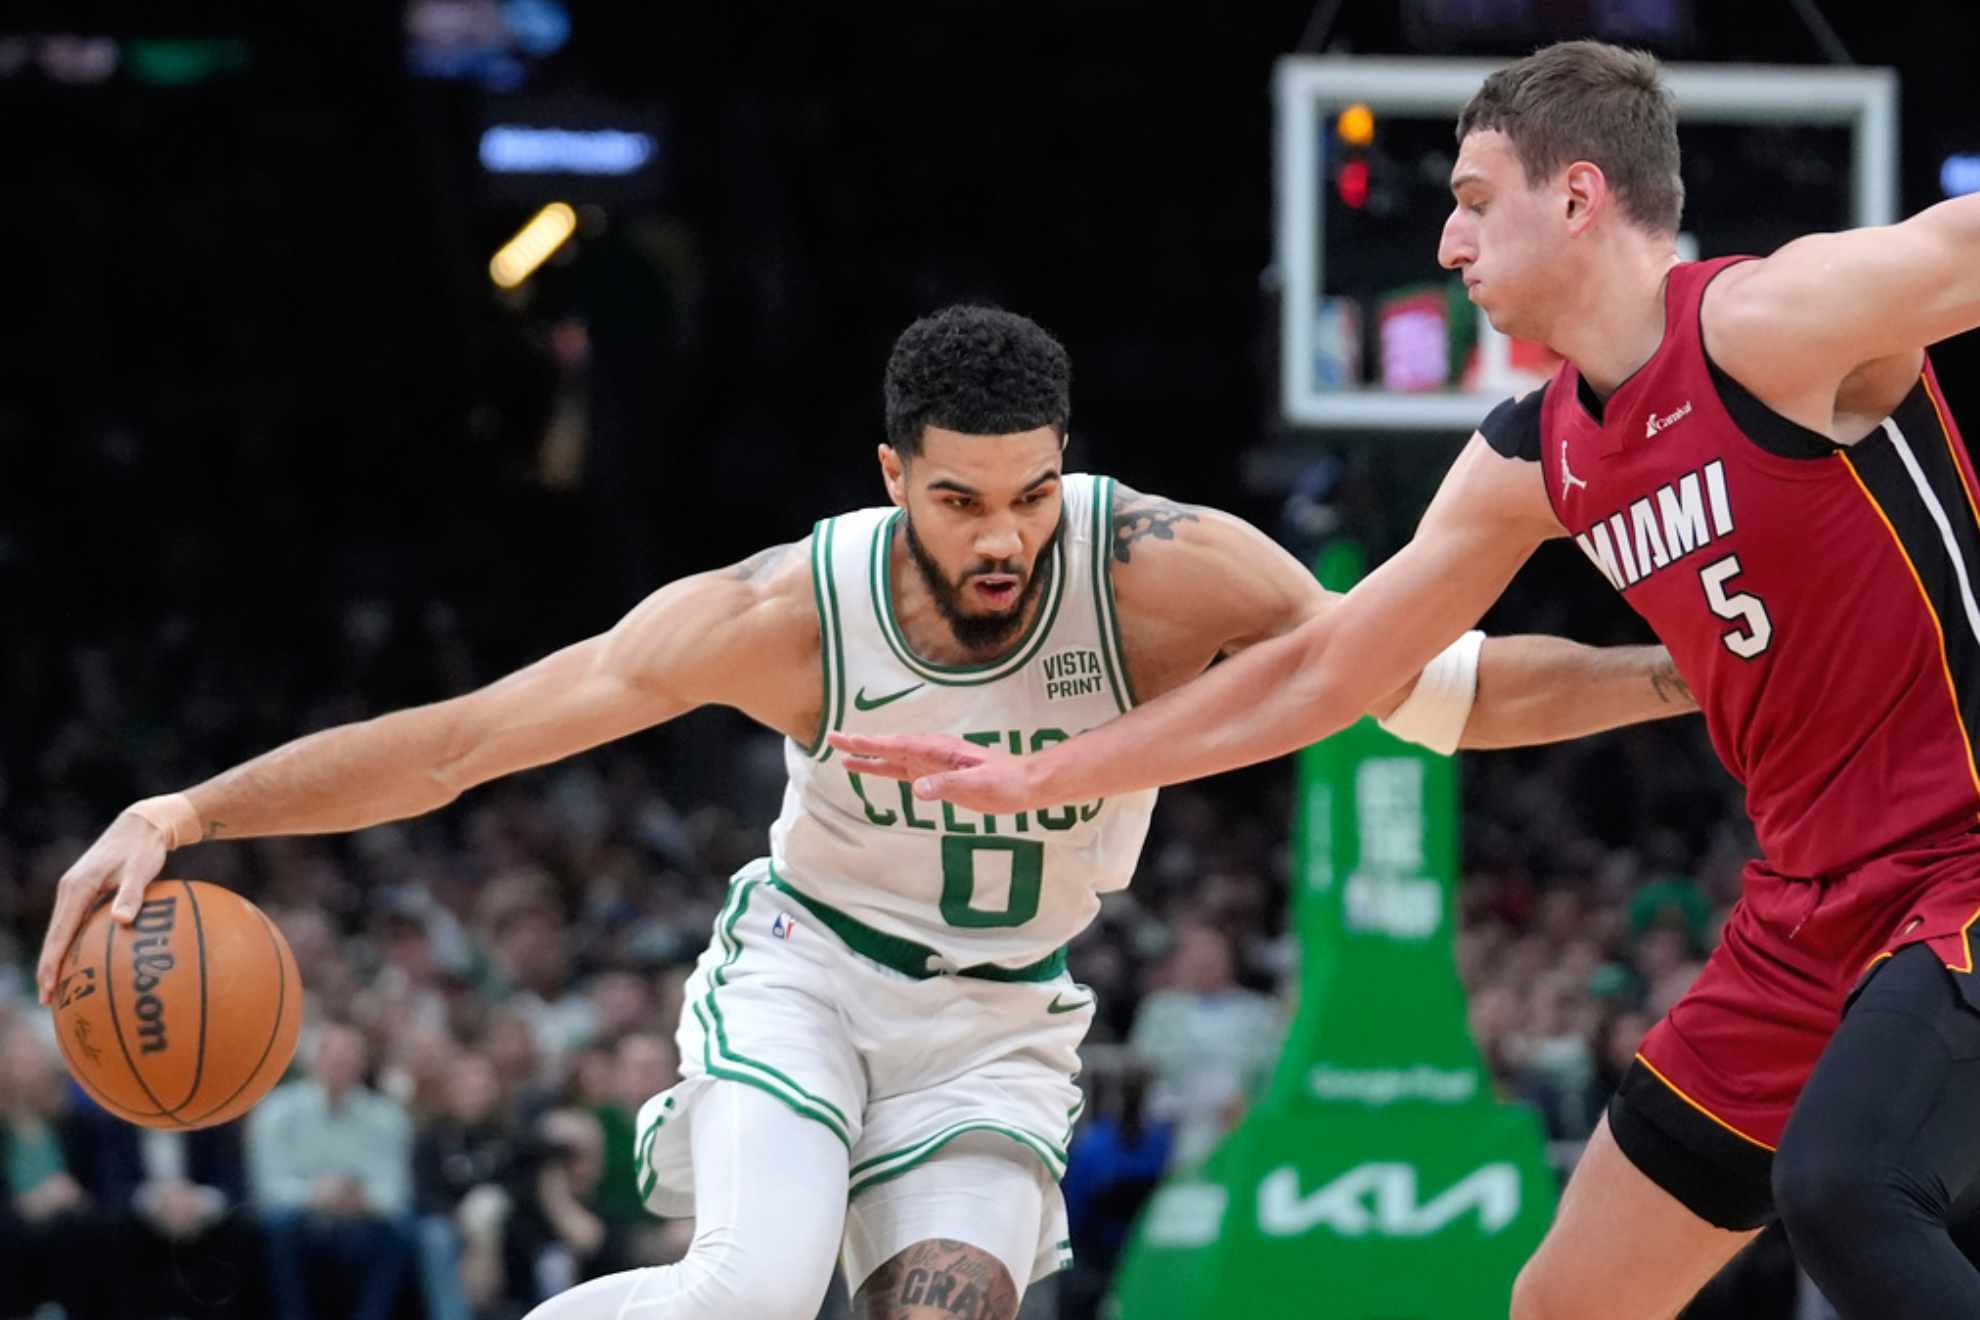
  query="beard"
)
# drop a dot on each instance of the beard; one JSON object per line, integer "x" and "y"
{"x": 980, "y": 632}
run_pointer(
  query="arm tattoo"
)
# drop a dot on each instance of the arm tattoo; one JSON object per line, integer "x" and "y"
{"x": 1669, "y": 685}
{"x": 762, "y": 562}
{"x": 939, "y": 1277}
{"x": 214, "y": 829}
{"x": 1143, "y": 516}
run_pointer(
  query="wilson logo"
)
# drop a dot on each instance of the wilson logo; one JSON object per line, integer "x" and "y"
{"x": 151, "y": 959}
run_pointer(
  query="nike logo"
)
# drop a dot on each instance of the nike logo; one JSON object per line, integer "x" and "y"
{"x": 1056, "y": 1007}
{"x": 860, "y": 701}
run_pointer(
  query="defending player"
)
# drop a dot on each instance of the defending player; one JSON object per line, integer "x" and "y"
{"x": 884, "y": 1009}
{"x": 1757, "y": 455}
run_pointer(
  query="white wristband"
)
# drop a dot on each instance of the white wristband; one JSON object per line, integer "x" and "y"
{"x": 1435, "y": 711}
{"x": 173, "y": 816}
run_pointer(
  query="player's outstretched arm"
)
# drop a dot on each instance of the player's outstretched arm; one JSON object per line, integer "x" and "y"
{"x": 1819, "y": 307}
{"x": 1537, "y": 689}
{"x": 1292, "y": 689}
{"x": 1194, "y": 583}
{"x": 744, "y": 636}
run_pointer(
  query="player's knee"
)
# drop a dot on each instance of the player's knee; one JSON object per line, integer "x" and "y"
{"x": 1538, "y": 1295}
{"x": 1828, "y": 1196}
{"x": 779, "y": 1298}
{"x": 938, "y": 1277}
{"x": 727, "y": 1279}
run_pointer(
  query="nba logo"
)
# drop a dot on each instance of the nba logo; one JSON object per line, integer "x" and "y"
{"x": 783, "y": 926}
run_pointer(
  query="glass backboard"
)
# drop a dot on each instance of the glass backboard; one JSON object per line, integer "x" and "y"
{"x": 1375, "y": 337}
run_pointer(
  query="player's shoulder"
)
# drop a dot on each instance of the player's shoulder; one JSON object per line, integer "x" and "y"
{"x": 1513, "y": 428}
{"x": 1167, "y": 555}
{"x": 775, "y": 569}
{"x": 1142, "y": 524}
{"x": 773, "y": 595}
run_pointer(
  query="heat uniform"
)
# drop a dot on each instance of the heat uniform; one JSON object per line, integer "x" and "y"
{"x": 1820, "y": 601}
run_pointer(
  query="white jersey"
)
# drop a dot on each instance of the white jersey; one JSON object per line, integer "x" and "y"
{"x": 973, "y": 889}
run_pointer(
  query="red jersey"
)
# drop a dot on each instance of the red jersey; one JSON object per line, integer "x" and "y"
{"x": 1820, "y": 600}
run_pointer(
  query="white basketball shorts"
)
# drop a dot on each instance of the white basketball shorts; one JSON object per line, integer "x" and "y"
{"x": 896, "y": 1066}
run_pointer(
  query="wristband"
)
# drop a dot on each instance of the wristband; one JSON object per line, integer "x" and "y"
{"x": 1435, "y": 712}
{"x": 173, "y": 816}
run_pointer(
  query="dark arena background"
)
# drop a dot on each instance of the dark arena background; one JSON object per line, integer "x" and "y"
{"x": 280, "y": 449}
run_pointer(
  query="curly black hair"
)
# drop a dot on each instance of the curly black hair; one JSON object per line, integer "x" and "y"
{"x": 977, "y": 370}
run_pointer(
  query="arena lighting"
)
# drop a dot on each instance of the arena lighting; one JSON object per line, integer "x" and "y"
{"x": 1356, "y": 125}
{"x": 1354, "y": 184}
{"x": 521, "y": 149}
{"x": 1960, "y": 174}
{"x": 533, "y": 244}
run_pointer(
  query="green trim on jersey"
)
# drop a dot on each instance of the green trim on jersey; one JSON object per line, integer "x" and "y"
{"x": 647, "y": 1176}
{"x": 894, "y": 1163}
{"x": 715, "y": 1037}
{"x": 904, "y": 955}
{"x": 798, "y": 1107}
{"x": 831, "y": 640}
{"x": 880, "y": 574}
{"x": 1104, "y": 607}
{"x": 1078, "y": 1108}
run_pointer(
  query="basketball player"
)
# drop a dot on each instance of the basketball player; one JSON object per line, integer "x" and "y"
{"x": 880, "y": 1043}
{"x": 1757, "y": 455}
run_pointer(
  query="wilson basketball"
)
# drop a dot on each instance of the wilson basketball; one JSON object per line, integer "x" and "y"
{"x": 185, "y": 1017}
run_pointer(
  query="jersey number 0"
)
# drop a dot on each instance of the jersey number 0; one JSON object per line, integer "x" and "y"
{"x": 959, "y": 854}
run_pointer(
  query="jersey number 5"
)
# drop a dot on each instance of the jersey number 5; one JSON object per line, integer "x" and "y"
{"x": 1757, "y": 634}
{"x": 959, "y": 856}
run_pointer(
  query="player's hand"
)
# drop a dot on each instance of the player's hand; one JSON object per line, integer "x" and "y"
{"x": 941, "y": 765}
{"x": 123, "y": 860}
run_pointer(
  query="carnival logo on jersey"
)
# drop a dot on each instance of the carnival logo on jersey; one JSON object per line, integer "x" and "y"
{"x": 1072, "y": 673}
{"x": 1657, "y": 530}
{"x": 1655, "y": 424}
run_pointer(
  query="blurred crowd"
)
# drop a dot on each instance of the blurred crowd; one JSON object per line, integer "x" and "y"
{"x": 491, "y": 997}
{"x": 493, "y": 990}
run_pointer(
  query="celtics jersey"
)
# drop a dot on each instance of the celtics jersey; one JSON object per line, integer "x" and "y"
{"x": 974, "y": 888}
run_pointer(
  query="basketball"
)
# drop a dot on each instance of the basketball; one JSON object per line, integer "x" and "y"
{"x": 187, "y": 1016}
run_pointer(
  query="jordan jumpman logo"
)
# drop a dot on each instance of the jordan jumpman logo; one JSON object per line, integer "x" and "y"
{"x": 1568, "y": 480}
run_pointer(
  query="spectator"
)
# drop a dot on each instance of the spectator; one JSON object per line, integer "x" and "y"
{"x": 621, "y": 1003}
{"x": 54, "y": 1242}
{"x": 469, "y": 1146}
{"x": 530, "y": 943}
{"x": 1208, "y": 1043}
{"x": 642, "y": 1067}
{"x": 331, "y": 1167}
{"x": 555, "y": 1237}
{"x": 511, "y": 1045}
{"x": 173, "y": 1201}
{"x": 1113, "y": 1167}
